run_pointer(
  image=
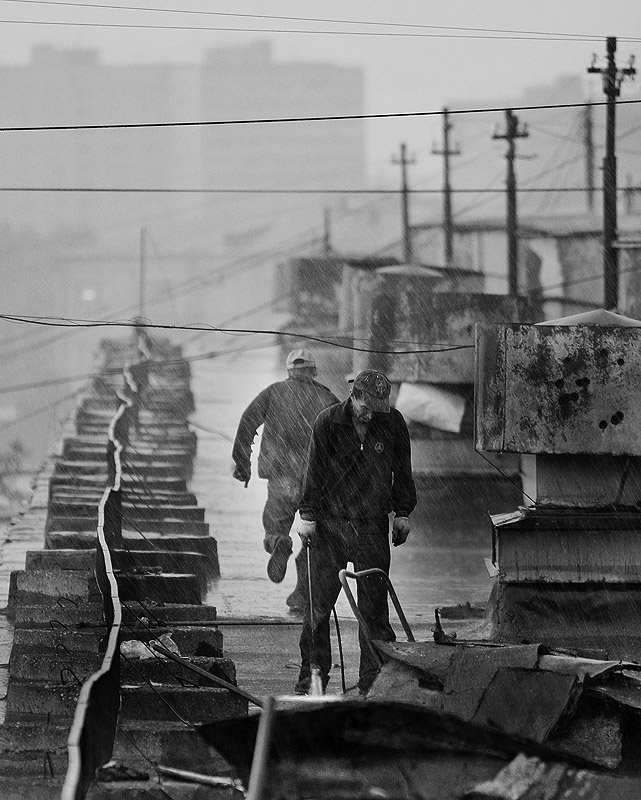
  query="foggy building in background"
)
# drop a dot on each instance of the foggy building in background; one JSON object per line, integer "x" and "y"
{"x": 78, "y": 254}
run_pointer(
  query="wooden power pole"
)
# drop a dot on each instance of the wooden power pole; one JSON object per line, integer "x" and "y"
{"x": 512, "y": 132}
{"x": 446, "y": 152}
{"x": 407, "y": 233}
{"x": 612, "y": 79}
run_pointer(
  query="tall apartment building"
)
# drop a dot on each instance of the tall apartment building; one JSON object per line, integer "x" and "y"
{"x": 78, "y": 254}
{"x": 74, "y": 87}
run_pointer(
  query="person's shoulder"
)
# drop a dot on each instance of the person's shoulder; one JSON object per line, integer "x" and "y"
{"x": 397, "y": 418}
{"x": 325, "y": 390}
{"x": 330, "y": 411}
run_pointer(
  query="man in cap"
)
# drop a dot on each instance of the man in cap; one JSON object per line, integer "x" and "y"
{"x": 287, "y": 410}
{"x": 358, "y": 471}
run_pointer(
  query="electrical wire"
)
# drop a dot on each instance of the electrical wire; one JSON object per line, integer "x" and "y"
{"x": 319, "y": 118}
{"x": 458, "y": 33}
{"x": 333, "y": 21}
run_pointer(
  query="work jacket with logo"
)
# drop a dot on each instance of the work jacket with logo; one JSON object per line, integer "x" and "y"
{"x": 349, "y": 479}
{"x": 287, "y": 411}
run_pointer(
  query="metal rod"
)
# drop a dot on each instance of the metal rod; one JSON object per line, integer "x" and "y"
{"x": 342, "y": 576}
{"x": 196, "y": 777}
{"x": 213, "y": 678}
{"x": 261, "y": 751}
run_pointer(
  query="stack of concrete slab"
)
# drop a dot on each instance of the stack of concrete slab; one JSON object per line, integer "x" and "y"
{"x": 162, "y": 566}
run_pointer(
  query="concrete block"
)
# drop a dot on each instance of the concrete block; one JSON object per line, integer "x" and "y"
{"x": 52, "y": 666}
{"x": 558, "y": 389}
{"x": 162, "y": 588}
{"x": 194, "y": 705}
{"x": 407, "y": 309}
{"x": 36, "y": 700}
{"x": 168, "y": 743}
{"x": 31, "y": 751}
{"x": 166, "y": 671}
{"x": 60, "y": 559}
{"x": 29, "y": 587}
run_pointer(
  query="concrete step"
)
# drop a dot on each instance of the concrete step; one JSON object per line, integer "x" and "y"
{"x": 160, "y": 468}
{"x": 189, "y": 639}
{"x": 32, "y": 587}
{"x": 168, "y": 743}
{"x": 52, "y": 666}
{"x": 87, "y": 614}
{"x": 166, "y": 671}
{"x": 124, "y": 561}
{"x": 152, "y": 540}
{"x": 164, "y": 483}
{"x": 194, "y": 705}
{"x": 150, "y": 790}
{"x": 34, "y": 700}
{"x": 162, "y": 587}
{"x": 149, "y": 511}
{"x": 32, "y": 750}
{"x": 165, "y": 526}
{"x": 130, "y": 497}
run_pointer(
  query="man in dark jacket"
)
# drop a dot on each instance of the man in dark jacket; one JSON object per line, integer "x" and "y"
{"x": 358, "y": 470}
{"x": 287, "y": 411}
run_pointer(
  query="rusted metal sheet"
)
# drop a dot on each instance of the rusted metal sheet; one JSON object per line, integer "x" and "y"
{"x": 408, "y": 315}
{"x": 558, "y": 389}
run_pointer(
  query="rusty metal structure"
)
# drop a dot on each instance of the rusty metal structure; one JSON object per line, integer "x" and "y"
{"x": 563, "y": 395}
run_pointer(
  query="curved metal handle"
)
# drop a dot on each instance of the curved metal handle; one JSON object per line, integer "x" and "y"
{"x": 344, "y": 574}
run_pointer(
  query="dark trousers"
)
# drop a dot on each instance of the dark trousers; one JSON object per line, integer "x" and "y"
{"x": 366, "y": 544}
{"x": 283, "y": 497}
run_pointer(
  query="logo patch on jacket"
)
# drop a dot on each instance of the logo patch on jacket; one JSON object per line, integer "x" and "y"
{"x": 379, "y": 447}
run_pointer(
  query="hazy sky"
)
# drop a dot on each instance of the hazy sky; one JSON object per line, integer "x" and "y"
{"x": 456, "y": 50}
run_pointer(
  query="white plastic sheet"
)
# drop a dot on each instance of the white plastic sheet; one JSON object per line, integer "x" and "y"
{"x": 431, "y": 405}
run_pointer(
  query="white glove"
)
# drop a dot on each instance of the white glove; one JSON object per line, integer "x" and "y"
{"x": 400, "y": 530}
{"x": 307, "y": 532}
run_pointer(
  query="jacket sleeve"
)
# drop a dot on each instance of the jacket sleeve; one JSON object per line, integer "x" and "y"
{"x": 315, "y": 468}
{"x": 252, "y": 418}
{"x": 403, "y": 488}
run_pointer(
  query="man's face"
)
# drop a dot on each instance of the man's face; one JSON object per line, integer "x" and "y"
{"x": 361, "y": 412}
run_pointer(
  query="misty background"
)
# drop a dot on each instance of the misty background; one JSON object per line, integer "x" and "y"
{"x": 187, "y": 219}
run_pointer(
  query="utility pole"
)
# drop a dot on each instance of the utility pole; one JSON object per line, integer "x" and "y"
{"x": 327, "y": 236}
{"x": 407, "y": 233}
{"x": 512, "y": 132}
{"x": 142, "y": 275}
{"x": 448, "y": 225}
{"x": 588, "y": 143}
{"x": 612, "y": 80}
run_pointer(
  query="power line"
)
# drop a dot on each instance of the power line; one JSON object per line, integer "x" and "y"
{"x": 139, "y": 190}
{"x": 457, "y": 33}
{"x": 320, "y": 118}
{"x": 332, "y": 21}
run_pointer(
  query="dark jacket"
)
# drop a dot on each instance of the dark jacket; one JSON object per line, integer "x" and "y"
{"x": 350, "y": 480}
{"x": 287, "y": 410}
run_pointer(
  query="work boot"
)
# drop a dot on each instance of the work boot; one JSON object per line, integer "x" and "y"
{"x": 277, "y": 564}
{"x": 299, "y": 598}
{"x": 304, "y": 685}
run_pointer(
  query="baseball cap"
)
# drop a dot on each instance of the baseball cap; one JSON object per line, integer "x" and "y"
{"x": 377, "y": 387}
{"x": 300, "y": 358}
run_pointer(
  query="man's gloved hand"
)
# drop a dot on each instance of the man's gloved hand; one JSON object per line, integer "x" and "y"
{"x": 242, "y": 474}
{"x": 307, "y": 532}
{"x": 400, "y": 530}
